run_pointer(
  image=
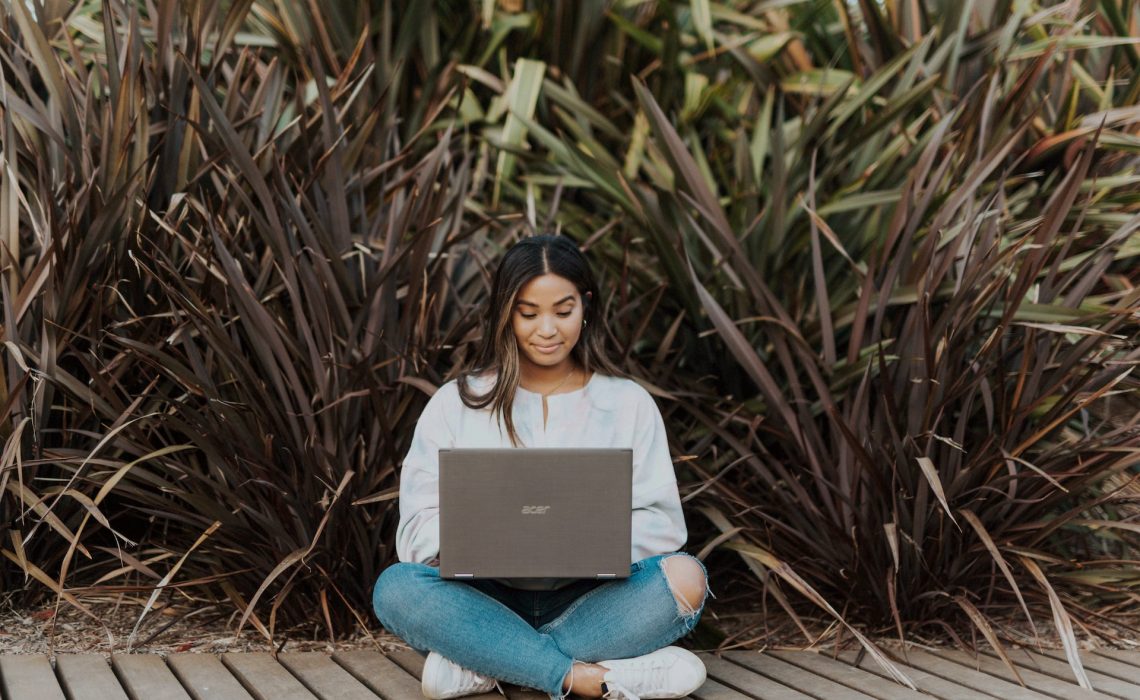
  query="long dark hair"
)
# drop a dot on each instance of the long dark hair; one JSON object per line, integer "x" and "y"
{"x": 498, "y": 352}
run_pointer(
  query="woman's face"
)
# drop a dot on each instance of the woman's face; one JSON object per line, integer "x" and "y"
{"x": 547, "y": 320}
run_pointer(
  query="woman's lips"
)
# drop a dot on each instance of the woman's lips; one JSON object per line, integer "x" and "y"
{"x": 547, "y": 349}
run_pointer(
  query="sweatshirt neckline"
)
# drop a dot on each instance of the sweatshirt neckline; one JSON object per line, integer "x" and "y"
{"x": 581, "y": 390}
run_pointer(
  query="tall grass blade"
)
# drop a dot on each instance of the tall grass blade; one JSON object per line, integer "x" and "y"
{"x": 787, "y": 574}
{"x": 1062, "y": 622}
{"x": 521, "y": 98}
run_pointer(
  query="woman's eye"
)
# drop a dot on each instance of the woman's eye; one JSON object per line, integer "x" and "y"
{"x": 564, "y": 314}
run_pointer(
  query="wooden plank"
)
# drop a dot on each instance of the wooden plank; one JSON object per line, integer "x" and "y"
{"x": 147, "y": 677}
{"x": 88, "y": 677}
{"x": 973, "y": 677}
{"x": 382, "y": 675}
{"x": 410, "y": 661}
{"x": 205, "y": 677}
{"x": 745, "y": 681}
{"x": 948, "y": 680}
{"x": 264, "y": 678}
{"x": 869, "y": 683}
{"x": 1059, "y": 668}
{"x": 712, "y": 690}
{"x": 324, "y": 677}
{"x": 794, "y": 676}
{"x": 1034, "y": 679}
{"x": 1121, "y": 656}
{"x": 28, "y": 677}
{"x": 1105, "y": 665}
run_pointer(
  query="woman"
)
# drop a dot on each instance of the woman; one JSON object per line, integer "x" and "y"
{"x": 541, "y": 379}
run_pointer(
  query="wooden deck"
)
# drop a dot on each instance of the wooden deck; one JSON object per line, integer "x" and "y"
{"x": 736, "y": 675}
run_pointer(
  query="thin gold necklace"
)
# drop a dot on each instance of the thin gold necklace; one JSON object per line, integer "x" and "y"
{"x": 544, "y": 394}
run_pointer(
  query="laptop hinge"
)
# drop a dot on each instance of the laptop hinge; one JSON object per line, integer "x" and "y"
{"x": 606, "y": 576}
{"x": 465, "y": 576}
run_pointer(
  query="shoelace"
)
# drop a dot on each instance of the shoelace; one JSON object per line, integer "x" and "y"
{"x": 481, "y": 681}
{"x": 617, "y": 691}
{"x": 469, "y": 681}
{"x": 645, "y": 674}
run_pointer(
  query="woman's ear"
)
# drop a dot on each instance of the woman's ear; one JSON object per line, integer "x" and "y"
{"x": 586, "y": 299}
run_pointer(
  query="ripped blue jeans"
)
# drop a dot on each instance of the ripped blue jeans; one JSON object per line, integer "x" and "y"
{"x": 533, "y": 638}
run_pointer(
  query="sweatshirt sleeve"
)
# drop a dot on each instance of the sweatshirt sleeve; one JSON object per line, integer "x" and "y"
{"x": 417, "y": 535}
{"x": 658, "y": 522}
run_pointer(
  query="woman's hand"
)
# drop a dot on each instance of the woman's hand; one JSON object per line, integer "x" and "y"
{"x": 434, "y": 562}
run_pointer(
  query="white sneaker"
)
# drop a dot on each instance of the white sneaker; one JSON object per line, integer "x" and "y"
{"x": 671, "y": 672}
{"x": 444, "y": 679}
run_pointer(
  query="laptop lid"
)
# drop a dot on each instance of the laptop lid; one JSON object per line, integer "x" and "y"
{"x": 535, "y": 512}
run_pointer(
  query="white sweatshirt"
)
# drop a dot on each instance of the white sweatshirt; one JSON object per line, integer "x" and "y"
{"x": 607, "y": 412}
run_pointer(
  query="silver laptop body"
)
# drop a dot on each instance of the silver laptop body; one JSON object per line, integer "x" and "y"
{"x": 535, "y": 512}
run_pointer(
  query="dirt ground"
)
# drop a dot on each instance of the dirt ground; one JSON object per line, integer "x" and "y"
{"x": 163, "y": 630}
{"x": 212, "y": 629}
{"x": 209, "y": 628}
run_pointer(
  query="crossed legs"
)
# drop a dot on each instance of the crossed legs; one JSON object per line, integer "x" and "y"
{"x": 660, "y": 602}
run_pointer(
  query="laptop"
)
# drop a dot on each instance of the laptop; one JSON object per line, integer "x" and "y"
{"x": 535, "y": 512}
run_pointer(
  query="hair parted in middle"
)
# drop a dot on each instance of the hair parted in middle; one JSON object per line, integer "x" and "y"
{"x": 498, "y": 352}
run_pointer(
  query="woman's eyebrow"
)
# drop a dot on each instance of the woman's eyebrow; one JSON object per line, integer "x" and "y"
{"x": 563, "y": 300}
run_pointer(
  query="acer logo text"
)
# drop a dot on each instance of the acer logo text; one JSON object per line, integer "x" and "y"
{"x": 535, "y": 510}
